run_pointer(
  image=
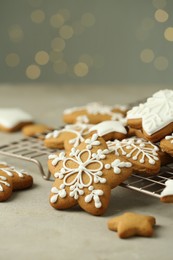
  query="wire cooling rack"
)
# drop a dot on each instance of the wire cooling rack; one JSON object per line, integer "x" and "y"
{"x": 30, "y": 149}
{"x": 33, "y": 150}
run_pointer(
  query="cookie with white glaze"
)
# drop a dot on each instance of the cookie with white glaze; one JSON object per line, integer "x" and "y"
{"x": 167, "y": 193}
{"x": 154, "y": 118}
{"x": 110, "y": 130}
{"x": 13, "y": 119}
{"x": 141, "y": 153}
{"x": 94, "y": 113}
{"x": 67, "y": 137}
{"x": 166, "y": 144}
{"x": 85, "y": 176}
{"x": 12, "y": 179}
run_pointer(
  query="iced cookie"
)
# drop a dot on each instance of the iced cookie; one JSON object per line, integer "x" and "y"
{"x": 141, "y": 153}
{"x": 109, "y": 130}
{"x": 167, "y": 193}
{"x": 36, "y": 129}
{"x": 12, "y": 179}
{"x": 166, "y": 144}
{"x": 13, "y": 119}
{"x": 85, "y": 176}
{"x": 154, "y": 117}
{"x": 94, "y": 113}
{"x": 70, "y": 135}
{"x": 132, "y": 224}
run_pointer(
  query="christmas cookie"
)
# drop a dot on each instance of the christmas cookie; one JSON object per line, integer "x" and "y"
{"x": 36, "y": 129}
{"x": 141, "y": 153}
{"x": 68, "y": 136}
{"x": 167, "y": 193}
{"x": 110, "y": 130}
{"x": 94, "y": 113}
{"x": 155, "y": 117}
{"x": 131, "y": 224}
{"x": 12, "y": 179}
{"x": 166, "y": 144}
{"x": 85, "y": 176}
{"x": 13, "y": 119}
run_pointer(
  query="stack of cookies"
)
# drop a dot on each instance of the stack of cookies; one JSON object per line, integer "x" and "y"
{"x": 101, "y": 147}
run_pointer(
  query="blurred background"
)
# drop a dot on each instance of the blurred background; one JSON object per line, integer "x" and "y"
{"x": 86, "y": 41}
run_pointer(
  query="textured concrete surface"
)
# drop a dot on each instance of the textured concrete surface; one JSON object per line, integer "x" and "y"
{"x": 32, "y": 229}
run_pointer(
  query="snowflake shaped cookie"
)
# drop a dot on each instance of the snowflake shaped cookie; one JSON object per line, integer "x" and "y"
{"x": 155, "y": 117}
{"x": 85, "y": 175}
{"x": 69, "y": 136}
{"x": 141, "y": 153}
{"x": 94, "y": 113}
{"x": 12, "y": 179}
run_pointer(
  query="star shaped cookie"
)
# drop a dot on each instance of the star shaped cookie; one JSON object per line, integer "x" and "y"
{"x": 131, "y": 224}
{"x": 85, "y": 175}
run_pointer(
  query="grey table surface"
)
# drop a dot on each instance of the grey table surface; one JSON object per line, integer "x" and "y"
{"x": 32, "y": 229}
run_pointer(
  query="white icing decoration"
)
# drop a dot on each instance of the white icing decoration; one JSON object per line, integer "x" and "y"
{"x": 101, "y": 154}
{"x": 95, "y": 109}
{"x": 94, "y": 195}
{"x": 107, "y": 127}
{"x": 168, "y": 190}
{"x": 82, "y": 119}
{"x": 10, "y": 117}
{"x": 76, "y": 183}
{"x": 10, "y": 169}
{"x": 92, "y": 141}
{"x": 156, "y": 113}
{"x": 137, "y": 147}
{"x": 169, "y": 137}
{"x": 117, "y": 164}
{"x": 57, "y": 193}
{"x": 3, "y": 181}
{"x": 80, "y": 130}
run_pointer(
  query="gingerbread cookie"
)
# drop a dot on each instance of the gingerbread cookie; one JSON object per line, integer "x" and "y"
{"x": 36, "y": 129}
{"x": 85, "y": 176}
{"x": 155, "y": 117}
{"x": 166, "y": 144}
{"x": 13, "y": 119}
{"x": 94, "y": 113}
{"x": 12, "y": 179}
{"x": 131, "y": 224}
{"x": 109, "y": 130}
{"x": 167, "y": 193}
{"x": 68, "y": 136}
{"x": 141, "y": 153}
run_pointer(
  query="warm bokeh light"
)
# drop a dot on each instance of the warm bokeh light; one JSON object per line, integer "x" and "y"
{"x": 12, "y": 59}
{"x": 58, "y": 44}
{"x": 66, "y": 32}
{"x": 168, "y": 34}
{"x": 37, "y": 16}
{"x": 33, "y": 71}
{"x": 161, "y": 63}
{"x": 147, "y": 55}
{"x": 42, "y": 57}
{"x": 161, "y": 16}
{"x": 57, "y": 20}
{"x": 81, "y": 69}
{"x": 15, "y": 33}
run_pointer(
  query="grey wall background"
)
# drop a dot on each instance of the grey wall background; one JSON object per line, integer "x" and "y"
{"x": 86, "y": 41}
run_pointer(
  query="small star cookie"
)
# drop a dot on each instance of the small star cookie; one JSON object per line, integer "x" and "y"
{"x": 167, "y": 193}
{"x": 85, "y": 175}
{"x": 12, "y": 179}
{"x": 131, "y": 224}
